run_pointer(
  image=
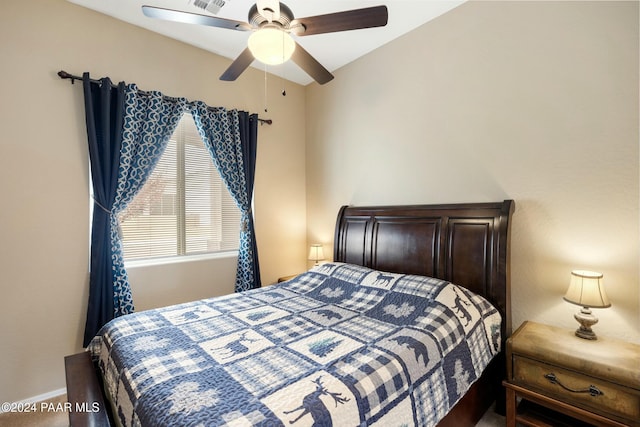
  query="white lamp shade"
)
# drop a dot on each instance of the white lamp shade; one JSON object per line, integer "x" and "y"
{"x": 316, "y": 253}
{"x": 271, "y": 46}
{"x": 587, "y": 289}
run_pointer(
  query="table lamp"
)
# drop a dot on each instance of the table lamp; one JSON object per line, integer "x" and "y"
{"x": 586, "y": 289}
{"x": 316, "y": 253}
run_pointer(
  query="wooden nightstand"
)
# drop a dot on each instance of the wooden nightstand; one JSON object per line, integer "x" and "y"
{"x": 558, "y": 375}
{"x": 285, "y": 278}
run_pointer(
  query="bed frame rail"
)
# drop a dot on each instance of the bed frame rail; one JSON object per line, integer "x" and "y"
{"x": 85, "y": 393}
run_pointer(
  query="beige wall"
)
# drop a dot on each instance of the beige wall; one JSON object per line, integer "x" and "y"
{"x": 533, "y": 101}
{"x": 44, "y": 218}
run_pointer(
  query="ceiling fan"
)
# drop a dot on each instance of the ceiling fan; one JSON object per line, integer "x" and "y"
{"x": 272, "y": 23}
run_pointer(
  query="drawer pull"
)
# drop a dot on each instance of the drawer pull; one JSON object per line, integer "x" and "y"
{"x": 592, "y": 390}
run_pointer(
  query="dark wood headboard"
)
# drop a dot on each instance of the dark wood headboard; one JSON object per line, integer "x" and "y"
{"x": 466, "y": 244}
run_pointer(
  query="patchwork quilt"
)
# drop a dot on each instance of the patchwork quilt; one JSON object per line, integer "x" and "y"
{"x": 339, "y": 345}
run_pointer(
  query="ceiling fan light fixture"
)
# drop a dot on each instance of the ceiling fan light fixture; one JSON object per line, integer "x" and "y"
{"x": 271, "y": 46}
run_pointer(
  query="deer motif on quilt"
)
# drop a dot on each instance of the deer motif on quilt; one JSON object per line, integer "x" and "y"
{"x": 459, "y": 307}
{"x": 235, "y": 347}
{"x": 320, "y": 414}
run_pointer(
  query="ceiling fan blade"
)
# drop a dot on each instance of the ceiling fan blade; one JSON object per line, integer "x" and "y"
{"x": 357, "y": 19}
{"x": 238, "y": 66}
{"x": 194, "y": 18}
{"x": 309, "y": 64}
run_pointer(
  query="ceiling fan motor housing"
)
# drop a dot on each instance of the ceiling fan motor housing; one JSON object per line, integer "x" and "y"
{"x": 257, "y": 20}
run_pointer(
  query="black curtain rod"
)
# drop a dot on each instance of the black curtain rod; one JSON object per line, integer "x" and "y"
{"x": 65, "y": 75}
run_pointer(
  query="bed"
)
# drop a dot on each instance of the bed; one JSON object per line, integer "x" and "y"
{"x": 405, "y": 327}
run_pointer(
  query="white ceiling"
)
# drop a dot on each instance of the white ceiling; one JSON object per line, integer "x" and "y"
{"x": 332, "y": 50}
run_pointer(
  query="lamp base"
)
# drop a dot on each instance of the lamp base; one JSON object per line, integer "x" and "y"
{"x": 586, "y": 320}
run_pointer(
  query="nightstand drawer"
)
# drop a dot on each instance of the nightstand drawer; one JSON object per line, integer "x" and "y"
{"x": 593, "y": 394}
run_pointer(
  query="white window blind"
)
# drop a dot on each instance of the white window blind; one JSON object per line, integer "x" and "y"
{"x": 184, "y": 207}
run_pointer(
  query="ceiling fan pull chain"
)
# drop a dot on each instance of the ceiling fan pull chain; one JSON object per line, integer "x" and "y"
{"x": 284, "y": 70}
{"x": 265, "y": 88}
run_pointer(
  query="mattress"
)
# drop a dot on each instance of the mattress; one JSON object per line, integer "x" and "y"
{"x": 338, "y": 345}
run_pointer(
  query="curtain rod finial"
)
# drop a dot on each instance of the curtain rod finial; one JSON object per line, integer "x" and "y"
{"x": 64, "y": 75}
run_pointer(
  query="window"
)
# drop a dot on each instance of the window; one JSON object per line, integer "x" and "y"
{"x": 184, "y": 207}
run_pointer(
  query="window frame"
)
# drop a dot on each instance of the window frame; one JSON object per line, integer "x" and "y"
{"x": 181, "y": 228}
